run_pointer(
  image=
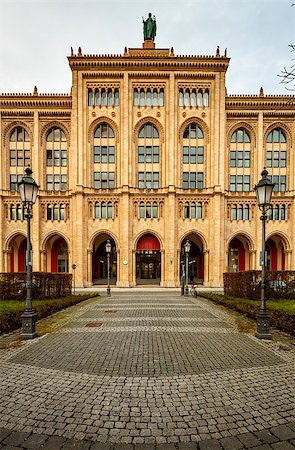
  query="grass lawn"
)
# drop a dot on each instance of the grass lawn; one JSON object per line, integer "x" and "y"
{"x": 11, "y": 310}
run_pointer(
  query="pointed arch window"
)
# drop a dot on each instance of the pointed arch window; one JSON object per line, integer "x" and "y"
{"x": 240, "y": 160}
{"x": 104, "y": 157}
{"x": 193, "y": 157}
{"x": 19, "y": 154}
{"x": 276, "y": 151}
{"x": 148, "y": 150}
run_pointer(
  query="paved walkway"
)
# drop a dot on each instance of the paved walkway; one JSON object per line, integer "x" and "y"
{"x": 147, "y": 371}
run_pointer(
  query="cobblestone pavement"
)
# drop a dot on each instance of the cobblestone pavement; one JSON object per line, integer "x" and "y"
{"x": 147, "y": 371}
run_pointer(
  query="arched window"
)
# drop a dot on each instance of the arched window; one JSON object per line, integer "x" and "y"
{"x": 155, "y": 210}
{"x": 56, "y": 160}
{"x": 199, "y": 210}
{"x": 246, "y": 212}
{"x": 97, "y": 211}
{"x": 200, "y": 97}
{"x": 187, "y": 98}
{"x": 161, "y": 102}
{"x": 277, "y": 135}
{"x": 155, "y": 98}
{"x": 180, "y": 98}
{"x": 283, "y": 212}
{"x": 141, "y": 210}
{"x": 19, "y": 154}
{"x": 194, "y": 98}
{"x": 148, "y": 130}
{"x": 240, "y": 160}
{"x": 234, "y": 212}
{"x": 104, "y": 157}
{"x": 55, "y": 212}
{"x": 193, "y": 210}
{"x": 56, "y": 148}
{"x": 148, "y": 211}
{"x": 193, "y": 155}
{"x": 148, "y": 152}
{"x": 90, "y": 97}
{"x": 148, "y": 97}
{"x": 142, "y": 97}
{"x": 103, "y": 210}
{"x": 110, "y": 210}
{"x": 104, "y": 130}
{"x": 276, "y": 158}
{"x": 103, "y": 97}
{"x": 97, "y": 97}
{"x": 135, "y": 97}
{"x": 62, "y": 212}
{"x": 116, "y": 97}
{"x": 206, "y": 98}
{"x": 110, "y": 97}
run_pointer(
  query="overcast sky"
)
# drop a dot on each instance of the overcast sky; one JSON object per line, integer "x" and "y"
{"x": 36, "y": 37}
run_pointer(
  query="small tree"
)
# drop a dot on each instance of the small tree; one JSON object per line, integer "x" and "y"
{"x": 288, "y": 74}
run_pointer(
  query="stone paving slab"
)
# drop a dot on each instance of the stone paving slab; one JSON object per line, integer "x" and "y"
{"x": 152, "y": 388}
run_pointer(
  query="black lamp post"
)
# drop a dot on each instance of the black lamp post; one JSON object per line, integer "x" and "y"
{"x": 108, "y": 252}
{"x": 263, "y": 195}
{"x": 187, "y": 247}
{"x": 28, "y": 190}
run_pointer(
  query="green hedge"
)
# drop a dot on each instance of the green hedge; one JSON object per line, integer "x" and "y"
{"x": 280, "y": 319}
{"x": 11, "y": 320}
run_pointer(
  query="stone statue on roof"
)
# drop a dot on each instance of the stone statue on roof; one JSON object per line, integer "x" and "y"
{"x": 149, "y": 27}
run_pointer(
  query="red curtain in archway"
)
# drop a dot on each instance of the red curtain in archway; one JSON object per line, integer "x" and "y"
{"x": 22, "y": 255}
{"x": 148, "y": 242}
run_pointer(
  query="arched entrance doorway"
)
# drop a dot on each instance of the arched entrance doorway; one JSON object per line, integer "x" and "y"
{"x": 99, "y": 260}
{"x": 57, "y": 254}
{"x": 195, "y": 259}
{"x": 17, "y": 254}
{"x": 239, "y": 254}
{"x": 275, "y": 253}
{"x": 148, "y": 260}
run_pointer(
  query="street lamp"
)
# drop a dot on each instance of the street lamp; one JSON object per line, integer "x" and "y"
{"x": 187, "y": 247}
{"x": 74, "y": 267}
{"x": 108, "y": 252}
{"x": 263, "y": 195}
{"x": 28, "y": 190}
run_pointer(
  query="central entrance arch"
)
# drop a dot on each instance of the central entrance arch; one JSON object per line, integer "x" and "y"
{"x": 99, "y": 260}
{"x": 195, "y": 259}
{"x": 148, "y": 260}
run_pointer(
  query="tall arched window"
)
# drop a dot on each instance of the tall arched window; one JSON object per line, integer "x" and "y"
{"x": 19, "y": 155}
{"x": 240, "y": 161}
{"x": 148, "y": 157}
{"x": 276, "y": 159}
{"x": 193, "y": 157}
{"x": 104, "y": 157}
{"x": 56, "y": 160}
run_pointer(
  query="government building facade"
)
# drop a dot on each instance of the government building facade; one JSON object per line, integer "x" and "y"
{"x": 147, "y": 151}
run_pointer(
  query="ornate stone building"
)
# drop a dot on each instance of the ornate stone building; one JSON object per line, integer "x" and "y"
{"x": 147, "y": 151}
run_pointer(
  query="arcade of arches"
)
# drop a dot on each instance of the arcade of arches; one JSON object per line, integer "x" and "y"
{"x": 148, "y": 257}
{"x": 241, "y": 256}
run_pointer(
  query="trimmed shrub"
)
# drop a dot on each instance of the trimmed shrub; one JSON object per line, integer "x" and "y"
{"x": 45, "y": 285}
{"x": 279, "y": 319}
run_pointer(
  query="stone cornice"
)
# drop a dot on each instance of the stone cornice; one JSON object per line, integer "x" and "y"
{"x": 55, "y": 114}
{"x": 144, "y": 60}
{"x": 260, "y": 102}
{"x": 7, "y": 113}
{"x": 35, "y": 101}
